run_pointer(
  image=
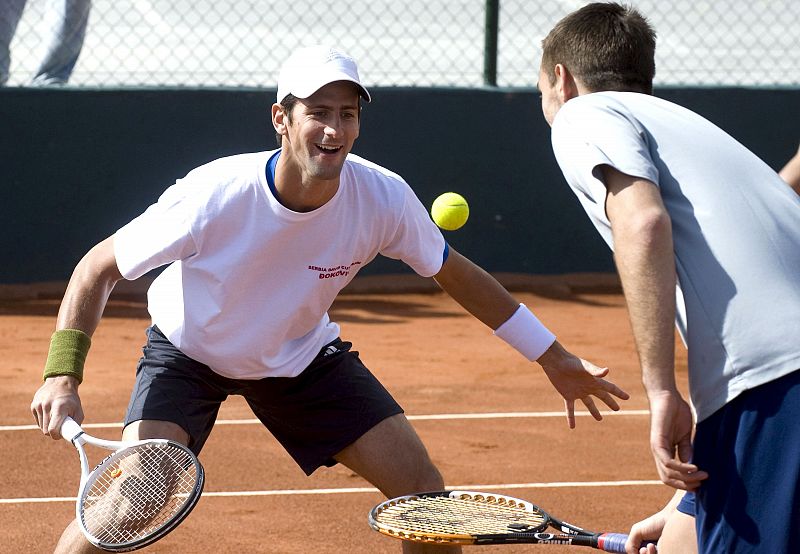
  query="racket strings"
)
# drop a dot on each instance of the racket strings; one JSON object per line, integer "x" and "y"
{"x": 439, "y": 516}
{"x": 139, "y": 493}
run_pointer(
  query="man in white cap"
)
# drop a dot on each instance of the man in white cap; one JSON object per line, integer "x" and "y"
{"x": 257, "y": 247}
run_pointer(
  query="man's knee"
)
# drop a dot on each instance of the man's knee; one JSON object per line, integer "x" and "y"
{"x": 427, "y": 478}
{"x": 392, "y": 457}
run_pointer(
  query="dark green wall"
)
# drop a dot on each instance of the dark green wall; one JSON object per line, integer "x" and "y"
{"x": 76, "y": 164}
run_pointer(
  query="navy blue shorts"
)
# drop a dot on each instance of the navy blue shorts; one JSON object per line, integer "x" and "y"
{"x": 687, "y": 504}
{"x": 751, "y": 451}
{"x": 315, "y": 415}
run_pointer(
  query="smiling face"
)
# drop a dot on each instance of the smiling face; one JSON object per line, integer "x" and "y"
{"x": 319, "y": 133}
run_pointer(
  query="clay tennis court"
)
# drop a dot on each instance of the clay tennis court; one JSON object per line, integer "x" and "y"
{"x": 486, "y": 415}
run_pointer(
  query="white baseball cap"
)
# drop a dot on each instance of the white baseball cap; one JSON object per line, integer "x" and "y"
{"x": 309, "y": 69}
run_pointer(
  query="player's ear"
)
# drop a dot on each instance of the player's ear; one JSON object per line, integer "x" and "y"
{"x": 279, "y": 119}
{"x": 566, "y": 86}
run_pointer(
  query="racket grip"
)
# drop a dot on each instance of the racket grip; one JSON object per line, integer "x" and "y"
{"x": 612, "y": 542}
{"x": 70, "y": 429}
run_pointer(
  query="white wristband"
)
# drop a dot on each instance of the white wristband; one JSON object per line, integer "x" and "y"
{"x": 526, "y": 334}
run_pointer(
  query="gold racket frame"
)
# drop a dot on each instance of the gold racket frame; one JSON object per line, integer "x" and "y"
{"x": 454, "y": 517}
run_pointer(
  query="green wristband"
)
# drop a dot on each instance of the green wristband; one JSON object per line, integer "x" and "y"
{"x": 68, "y": 351}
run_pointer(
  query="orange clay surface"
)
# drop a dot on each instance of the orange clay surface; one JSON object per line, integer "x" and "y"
{"x": 430, "y": 354}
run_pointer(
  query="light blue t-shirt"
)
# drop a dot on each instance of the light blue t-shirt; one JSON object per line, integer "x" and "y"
{"x": 735, "y": 225}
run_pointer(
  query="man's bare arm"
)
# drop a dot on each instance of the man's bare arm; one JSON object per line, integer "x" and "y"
{"x": 645, "y": 258}
{"x": 81, "y": 309}
{"x": 486, "y": 299}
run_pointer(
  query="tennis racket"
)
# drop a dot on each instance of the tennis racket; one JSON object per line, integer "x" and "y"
{"x": 466, "y": 517}
{"x": 137, "y": 494}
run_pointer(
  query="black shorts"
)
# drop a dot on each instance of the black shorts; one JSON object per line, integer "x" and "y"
{"x": 315, "y": 415}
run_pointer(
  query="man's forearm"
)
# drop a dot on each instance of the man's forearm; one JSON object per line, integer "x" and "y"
{"x": 476, "y": 291}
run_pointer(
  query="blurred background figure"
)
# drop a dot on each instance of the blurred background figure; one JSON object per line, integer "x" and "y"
{"x": 63, "y": 31}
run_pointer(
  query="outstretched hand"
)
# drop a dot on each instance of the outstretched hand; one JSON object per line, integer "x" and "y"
{"x": 578, "y": 379}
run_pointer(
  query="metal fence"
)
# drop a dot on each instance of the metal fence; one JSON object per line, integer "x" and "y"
{"x": 240, "y": 43}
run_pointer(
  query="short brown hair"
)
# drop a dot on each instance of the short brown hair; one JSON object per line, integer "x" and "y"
{"x": 607, "y": 46}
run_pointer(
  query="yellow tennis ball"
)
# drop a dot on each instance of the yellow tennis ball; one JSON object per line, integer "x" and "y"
{"x": 450, "y": 211}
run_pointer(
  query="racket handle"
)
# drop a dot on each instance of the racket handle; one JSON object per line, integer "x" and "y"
{"x": 612, "y": 542}
{"x": 70, "y": 430}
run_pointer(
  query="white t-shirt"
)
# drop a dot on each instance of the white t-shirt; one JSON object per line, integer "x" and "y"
{"x": 252, "y": 281}
{"x": 735, "y": 226}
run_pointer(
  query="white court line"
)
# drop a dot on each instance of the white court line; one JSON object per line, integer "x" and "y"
{"x": 360, "y": 490}
{"x": 430, "y": 417}
{"x": 523, "y": 414}
{"x": 294, "y": 492}
{"x": 507, "y": 486}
